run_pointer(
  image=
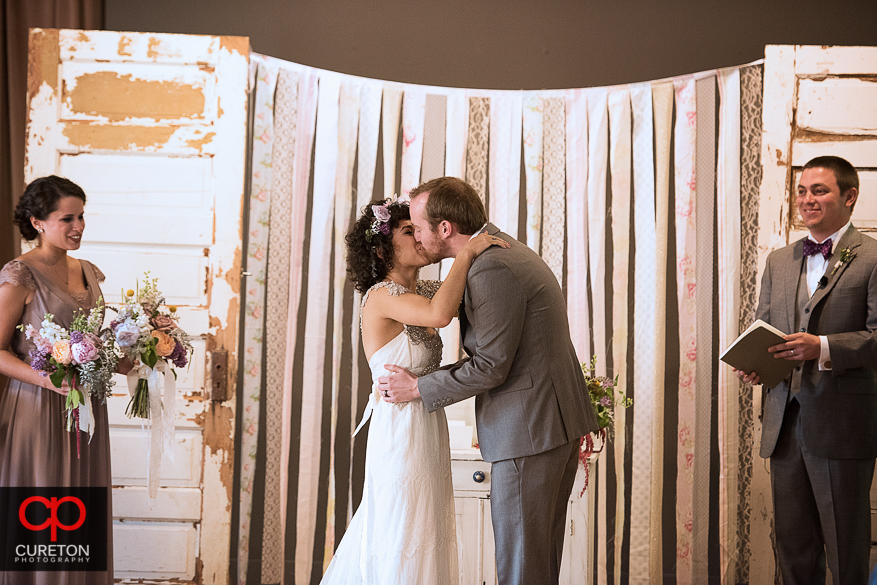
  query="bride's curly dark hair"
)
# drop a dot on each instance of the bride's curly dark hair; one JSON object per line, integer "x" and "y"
{"x": 370, "y": 246}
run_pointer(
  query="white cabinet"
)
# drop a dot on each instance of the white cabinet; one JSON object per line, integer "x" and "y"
{"x": 475, "y": 549}
{"x": 475, "y": 546}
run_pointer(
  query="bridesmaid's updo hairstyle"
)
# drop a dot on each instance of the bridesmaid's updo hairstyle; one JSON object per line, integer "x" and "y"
{"x": 40, "y": 199}
{"x": 370, "y": 242}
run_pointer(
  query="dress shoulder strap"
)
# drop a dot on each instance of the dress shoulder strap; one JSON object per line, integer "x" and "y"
{"x": 17, "y": 273}
{"x": 393, "y": 288}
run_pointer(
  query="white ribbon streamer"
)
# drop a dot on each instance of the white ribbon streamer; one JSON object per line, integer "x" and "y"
{"x": 161, "y": 417}
{"x": 86, "y": 416}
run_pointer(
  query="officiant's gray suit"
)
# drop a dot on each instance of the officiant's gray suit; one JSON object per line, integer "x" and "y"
{"x": 820, "y": 426}
{"x": 531, "y": 406}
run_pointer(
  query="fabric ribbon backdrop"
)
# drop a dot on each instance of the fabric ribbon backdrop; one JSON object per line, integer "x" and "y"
{"x": 641, "y": 198}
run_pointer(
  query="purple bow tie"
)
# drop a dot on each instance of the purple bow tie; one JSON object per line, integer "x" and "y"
{"x": 811, "y": 248}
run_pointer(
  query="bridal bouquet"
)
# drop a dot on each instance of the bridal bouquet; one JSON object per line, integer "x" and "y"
{"x": 151, "y": 339}
{"x": 605, "y": 396}
{"x": 84, "y": 356}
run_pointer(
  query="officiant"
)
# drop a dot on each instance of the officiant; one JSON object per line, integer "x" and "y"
{"x": 820, "y": 423}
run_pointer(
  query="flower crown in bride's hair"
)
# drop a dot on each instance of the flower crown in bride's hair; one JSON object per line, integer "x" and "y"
{"x": 381, "y": 223}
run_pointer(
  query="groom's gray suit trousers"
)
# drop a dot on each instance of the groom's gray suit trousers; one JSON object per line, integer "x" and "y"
{"x": 532, "y": 534}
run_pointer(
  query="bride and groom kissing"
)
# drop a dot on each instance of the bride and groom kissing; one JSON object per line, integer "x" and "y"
{"x": 531, "y": 401}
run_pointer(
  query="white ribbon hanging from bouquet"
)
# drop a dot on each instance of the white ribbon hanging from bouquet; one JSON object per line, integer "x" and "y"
{"x": 86, "y": 416}
{"x": 161, "y": 417}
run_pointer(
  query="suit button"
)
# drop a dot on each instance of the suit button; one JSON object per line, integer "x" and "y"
{"x": 803, "y": 330}
{"x": 798, "y": 369}
{"x": 807, "y": 310}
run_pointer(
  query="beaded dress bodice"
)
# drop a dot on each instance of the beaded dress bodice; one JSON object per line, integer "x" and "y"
{"x": 425, "y": 346}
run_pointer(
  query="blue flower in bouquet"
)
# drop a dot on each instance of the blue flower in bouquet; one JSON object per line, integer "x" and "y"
{"x": 127, "y": 333}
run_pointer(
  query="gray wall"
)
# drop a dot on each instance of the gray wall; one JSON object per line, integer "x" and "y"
{"x": 506, "y": 44}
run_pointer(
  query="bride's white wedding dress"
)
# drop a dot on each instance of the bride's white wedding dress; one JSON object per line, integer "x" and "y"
{"x": 404, "y": 529}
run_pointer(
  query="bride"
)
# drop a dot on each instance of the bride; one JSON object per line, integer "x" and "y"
{"x": 404, "y": 529}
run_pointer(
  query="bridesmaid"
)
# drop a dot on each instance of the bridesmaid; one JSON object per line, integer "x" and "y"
{"x": 35, "y": 449}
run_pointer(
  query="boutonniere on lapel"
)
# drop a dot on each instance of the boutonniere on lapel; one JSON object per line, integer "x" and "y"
{"x": 845, "y": 258}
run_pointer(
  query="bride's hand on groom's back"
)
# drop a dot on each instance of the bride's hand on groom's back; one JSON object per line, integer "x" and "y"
{"x": 399, "y": 386}
{"x": 483, "y": 241}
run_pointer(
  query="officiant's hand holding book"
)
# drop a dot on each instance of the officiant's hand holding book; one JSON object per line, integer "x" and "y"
{"x": 762, "y": 355}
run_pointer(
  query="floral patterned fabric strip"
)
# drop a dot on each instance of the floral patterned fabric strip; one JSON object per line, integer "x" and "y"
{"x": 685, "y": 132}
{"x": 254, "y": 311}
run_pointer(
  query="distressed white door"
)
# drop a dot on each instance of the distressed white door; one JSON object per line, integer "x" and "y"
{"x": 817, "y": 100}
{"x": 153, "y": 128}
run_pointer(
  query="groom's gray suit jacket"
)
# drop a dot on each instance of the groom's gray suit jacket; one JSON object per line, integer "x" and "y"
{"x": 522, "y": 368}
{"x": 839, "y": 406}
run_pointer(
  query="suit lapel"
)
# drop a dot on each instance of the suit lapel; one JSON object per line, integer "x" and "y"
{"x": 791, "y": 279}
{"x": 851, "y": 240}
{"x": 461, "y": 314}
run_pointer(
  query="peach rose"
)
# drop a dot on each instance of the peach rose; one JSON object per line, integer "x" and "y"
{"x": 61, "y": 352}
{"x": 165, "y": 345}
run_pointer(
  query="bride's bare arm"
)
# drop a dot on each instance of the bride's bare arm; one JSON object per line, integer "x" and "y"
{"x": 12, "y": 300}
{"x": 437, "y": 312}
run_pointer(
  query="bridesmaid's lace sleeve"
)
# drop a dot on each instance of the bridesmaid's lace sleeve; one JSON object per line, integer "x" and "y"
{"x": 18, "y": 274}
{"x": 98, "y": 274}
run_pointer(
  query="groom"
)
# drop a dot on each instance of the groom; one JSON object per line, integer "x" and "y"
{"x": 532, "y": 405}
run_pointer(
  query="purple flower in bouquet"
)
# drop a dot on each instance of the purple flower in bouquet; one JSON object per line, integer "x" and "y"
{"x": 85, "y": 349}
{"x": 606, "y": 401}
{"x": 178, "y": 356}
{"x": 39, "y": 362}
{"x": 127, "y": 334}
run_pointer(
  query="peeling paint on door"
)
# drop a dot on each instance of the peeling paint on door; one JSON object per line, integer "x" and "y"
{"x": 120, "y": 97}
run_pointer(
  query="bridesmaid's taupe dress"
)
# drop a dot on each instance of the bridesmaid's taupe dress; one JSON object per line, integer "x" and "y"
{"x": 35, "y": 450}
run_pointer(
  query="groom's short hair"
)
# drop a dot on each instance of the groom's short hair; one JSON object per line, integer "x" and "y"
{"x": 844, "y": 172}
{"x": 454, "y": 200}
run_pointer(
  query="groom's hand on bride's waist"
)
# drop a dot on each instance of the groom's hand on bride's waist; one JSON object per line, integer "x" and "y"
{"x": 399, "y": 386}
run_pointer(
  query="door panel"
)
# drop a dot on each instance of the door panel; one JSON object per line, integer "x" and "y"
{"x": 153, "y": 128}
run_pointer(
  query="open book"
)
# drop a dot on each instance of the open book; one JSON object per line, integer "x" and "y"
{"x": 749, "y": 353}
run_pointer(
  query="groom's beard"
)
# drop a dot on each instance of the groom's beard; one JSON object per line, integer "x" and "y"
{"x": 437, "y": 249}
